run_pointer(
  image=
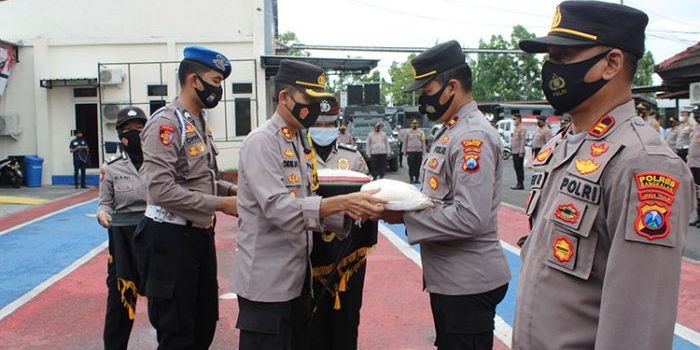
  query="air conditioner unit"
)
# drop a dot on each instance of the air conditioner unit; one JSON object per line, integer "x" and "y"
{"x": 109, "y": 112}
{"x": 111, "y": 76}
{"x": 9, "y": 125}
{"x": 694, "y": 93}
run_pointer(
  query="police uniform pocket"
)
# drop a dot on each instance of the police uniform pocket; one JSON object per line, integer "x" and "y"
{"x": 572, "y": 242}
{"x": 436, "y": 185}
{"x": 162, "y": 307}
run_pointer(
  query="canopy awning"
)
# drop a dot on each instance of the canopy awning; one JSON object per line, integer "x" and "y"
{"x": 71, "y": 82}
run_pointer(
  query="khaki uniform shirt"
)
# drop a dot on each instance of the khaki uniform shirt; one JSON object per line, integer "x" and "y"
{"x": 694, "y": 150}
{"x": 345, "y": 138}
{"x": 601, "y": 267}
{"x": 542, "y": 135}
{"x": 377, "y": 143}
{"x": 459, "y": 244}
{"x": 672, "y": 137}
{"x": 413, "y": 141}
{"x": 277, "y": 212}
{"x": 517, "y": 140}
{"x": 179, "y": 165}
{"x": 685, "y": 129}
{"x": 122, "y": 192}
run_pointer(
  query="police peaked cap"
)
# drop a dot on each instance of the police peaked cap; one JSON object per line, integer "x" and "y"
{"x": 329, "y": 110}
{"x": 587, "y": 23}
{"x": 439, "y": 58}
{"x": 209, "y": 58}
{"x": 309, "y": 78}
{"x": 130, "y": 113}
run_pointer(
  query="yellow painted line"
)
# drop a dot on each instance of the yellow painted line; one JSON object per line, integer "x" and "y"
{"x": 21, "y": 200}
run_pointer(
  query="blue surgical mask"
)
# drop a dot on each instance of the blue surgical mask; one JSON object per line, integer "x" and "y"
{"x": 323, "y": 136}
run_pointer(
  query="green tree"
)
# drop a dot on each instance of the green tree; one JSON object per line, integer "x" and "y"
{"x": 401, "y": 77}
{"x": 288, "y": 39}
{"x": 645, "y": 69}
{"x": 506, "y": 77}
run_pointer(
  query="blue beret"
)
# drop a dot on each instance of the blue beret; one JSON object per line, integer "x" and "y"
{"x": 209, "y": 58}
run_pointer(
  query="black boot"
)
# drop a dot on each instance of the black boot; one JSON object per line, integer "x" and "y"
{"x": 519, "y": 186}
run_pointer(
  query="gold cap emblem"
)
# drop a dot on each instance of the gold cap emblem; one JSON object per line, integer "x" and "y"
{"x": 557, "y": 18}
{"x": 322, "y": 79}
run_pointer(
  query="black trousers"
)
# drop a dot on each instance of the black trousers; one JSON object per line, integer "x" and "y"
{"x": 274, "y": 326}
{"x": 177, "y": 268}
{"x": 400, "y": 155}
{"x": 79, "y": 166}
{"x": 122, "y": 288}
{"x": 337, "y": 329}
{"x": 378, "y": 165}
{"x": 465, "y": 322}
{"x": 414, "y": 162}
{"x": 683, "y": 153}
{"x": 518, "y": 165}
{"x": 696, "y": 177}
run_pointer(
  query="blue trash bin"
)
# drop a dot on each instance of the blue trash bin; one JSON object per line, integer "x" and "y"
{"x": 33, "y": 166}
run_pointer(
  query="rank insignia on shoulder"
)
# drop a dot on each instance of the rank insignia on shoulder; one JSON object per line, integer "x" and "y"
{"x": 343, "y": 164}
{"x": 286, "y": 133}
{"x": 544, "y": 154}
{"x": 598, "y": 148}
{"x": 471, "y": 163}
{"x": 167, "y": 134}
{"x": 433, "y": 182}
{"x": 604, "y": 124}
{"x": 586, "y": 166}
{"x": 452, "y": 122}
{"x": 562, "y": 249}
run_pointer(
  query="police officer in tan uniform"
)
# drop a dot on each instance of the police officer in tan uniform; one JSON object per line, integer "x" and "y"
{"x": 378, "y": 150}
{"x": 694, "y": 159}
{"x": 609, "y": 201}
{"x": 672, "y": 134}
{"x": 542, "y": 135}
{"x": 278, "y": 212}
{"x": 414, "y": 149}
{"x": 684, "y": 131}
{"x": 517, "y": 146}
{"x": 344, "y": 136}
{"x": 464, "y": 268}
{"x": 121, "y": 208}
{"x": 338, "y": 265}
{"x": 175, "y": 242}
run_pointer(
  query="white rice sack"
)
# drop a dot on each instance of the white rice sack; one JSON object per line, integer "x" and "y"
{"x": 401, "y": 195}
{"x": 342, "y": 176}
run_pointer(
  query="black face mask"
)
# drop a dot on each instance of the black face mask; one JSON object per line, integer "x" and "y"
{"x": 430, "y": 104}
{"x": 133, "y": 147}
{"x": 563, "y": 84}
{"x": 211, "y": 95}
{"x": 305, "y": 114}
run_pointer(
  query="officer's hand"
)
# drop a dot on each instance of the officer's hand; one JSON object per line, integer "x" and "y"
{"x": 104, "y": 218}
{"x": 233, "y": 190}
{"x": 392, "y": 216}
{"x": 363, "y": 205}
{"x": 228, "y": 205}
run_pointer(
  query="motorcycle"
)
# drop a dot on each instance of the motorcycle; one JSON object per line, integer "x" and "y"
{"x": 506, "y": 147}
{"x": 10, "y": 173}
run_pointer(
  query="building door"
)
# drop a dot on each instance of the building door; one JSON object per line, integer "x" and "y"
{"x": 86, "y": 120}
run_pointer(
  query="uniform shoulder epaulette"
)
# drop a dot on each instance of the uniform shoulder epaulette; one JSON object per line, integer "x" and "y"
{"x": 347, "y": 147}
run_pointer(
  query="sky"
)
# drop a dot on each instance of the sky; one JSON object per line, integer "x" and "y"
{"x": 673, "y": 24}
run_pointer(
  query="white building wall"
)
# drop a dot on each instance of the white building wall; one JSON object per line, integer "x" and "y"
{"x": 63, "y": 39}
